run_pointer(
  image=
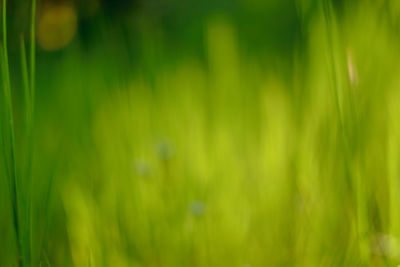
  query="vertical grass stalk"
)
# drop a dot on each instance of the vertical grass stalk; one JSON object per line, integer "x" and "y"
{"x": 33, "y": 50}
{"x": 13, "y": 177}
{"x": 347, "y": 152}
{"x": 26, "y": 237}
{"x": 29, "y": 92}
{"x": 31, "y": 128}
{"x": 21, "y": 202}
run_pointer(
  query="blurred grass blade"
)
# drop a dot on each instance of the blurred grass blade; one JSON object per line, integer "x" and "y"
{"x": 27, "y": 220}
{"x": 31, "y": 128}
{"x": 25, "y": 80}
{"x": 13, "y": 178}
{"x": 33, "y": 50}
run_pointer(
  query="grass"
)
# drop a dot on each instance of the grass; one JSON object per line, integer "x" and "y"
{"x": 20, "y": 181}
{"x": 13, "y": 180}
{"x": 219, "y": 159}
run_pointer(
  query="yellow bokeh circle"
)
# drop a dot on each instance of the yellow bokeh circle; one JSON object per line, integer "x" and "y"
{"x": 56, "y": 27}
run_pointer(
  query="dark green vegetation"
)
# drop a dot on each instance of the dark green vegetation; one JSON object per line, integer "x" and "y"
{"x": 265, "y": 135}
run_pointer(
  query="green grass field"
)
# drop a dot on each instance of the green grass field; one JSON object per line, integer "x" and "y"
{"x": 227, "y": 157}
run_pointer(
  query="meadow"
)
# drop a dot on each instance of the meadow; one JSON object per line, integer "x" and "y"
{"x": 150, "y": 153}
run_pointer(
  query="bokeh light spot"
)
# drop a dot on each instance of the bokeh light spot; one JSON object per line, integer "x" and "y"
{"x": 56, "y": 27}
